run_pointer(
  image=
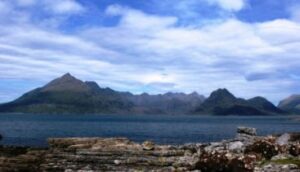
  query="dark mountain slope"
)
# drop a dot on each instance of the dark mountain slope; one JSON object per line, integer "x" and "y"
{"x": 263, "y": 104}
{"x": 222, "y": 102}
{"x": 291, "y": 104}
{"x": 67, "y": 95}
{"x": 70, "y": 95}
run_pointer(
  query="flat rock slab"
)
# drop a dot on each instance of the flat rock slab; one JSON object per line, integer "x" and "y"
{"x": 122, "y": 154}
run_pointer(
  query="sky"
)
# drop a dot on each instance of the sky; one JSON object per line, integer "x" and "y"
{"x": 250, "y": 47}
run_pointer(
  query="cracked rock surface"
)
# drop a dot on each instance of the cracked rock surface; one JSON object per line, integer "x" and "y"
{"x": 245, "y": 153}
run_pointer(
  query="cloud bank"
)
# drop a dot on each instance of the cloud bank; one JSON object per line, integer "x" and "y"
{"x": 143, "y": 51}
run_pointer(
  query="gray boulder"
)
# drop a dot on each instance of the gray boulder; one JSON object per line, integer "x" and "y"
{"x": 247, "y": 131}
{"x": 283, "y": 139}
{"x": 236, "y": 146}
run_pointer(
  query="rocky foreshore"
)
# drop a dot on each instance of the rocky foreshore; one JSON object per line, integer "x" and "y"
{"x": 247, "y": 152}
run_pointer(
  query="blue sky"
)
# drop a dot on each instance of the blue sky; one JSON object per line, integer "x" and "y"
{"x": 250, "y": 47}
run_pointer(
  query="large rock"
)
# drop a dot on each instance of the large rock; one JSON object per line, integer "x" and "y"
{"x": 121, "y": 154}
{"x": 295, "y": 149}
{"x": 215, "y": 146}
{"x": 236, "y": 146}
{"x": 98, "y": 154}
{"x": 247, "y": 131}
{"x": 263, "y": 147}
{"x": 283, "y": 139}
{"x": 227, "y": 162}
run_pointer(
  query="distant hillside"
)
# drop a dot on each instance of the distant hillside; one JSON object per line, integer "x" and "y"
{"x": 291, "y": 104}
{"x": 70, "y": 95}
{"x": 222, "y": 102}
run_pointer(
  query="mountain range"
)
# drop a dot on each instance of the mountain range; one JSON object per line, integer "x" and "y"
{"x": 68, "y": 94}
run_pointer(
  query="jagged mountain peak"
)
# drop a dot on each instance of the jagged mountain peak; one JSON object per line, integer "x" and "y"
{"x": 220, "y": 94}
{"x": 221, "y": 91}
{"x": 67, "y": 76}
{"x": 64, "y": 78}
{"x": 67, "y": 82}
{"x": 218, "y": 98}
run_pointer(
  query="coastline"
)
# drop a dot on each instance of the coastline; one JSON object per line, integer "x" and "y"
{"x": 245, "y": 152}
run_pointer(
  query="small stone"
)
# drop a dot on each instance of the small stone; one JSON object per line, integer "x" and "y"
{"x": 148, "y": 145}
{"x": 285, "y": 167}
{"x": 269, "y": 166}
{"x": 229, "y": 156}
{"x": 117, "y": 162}
{"x": 236, "y": 146}
{"x": 214, "y": 146}
{"x": 281, "y": 156}
{"x": 294, "y": 166}
{"x": 68, "y": 170}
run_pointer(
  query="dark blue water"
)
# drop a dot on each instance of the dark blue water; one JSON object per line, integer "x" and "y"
{"x": 33, "y": 130}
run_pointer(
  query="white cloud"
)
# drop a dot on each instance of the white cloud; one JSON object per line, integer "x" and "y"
{"x": 226, "y": 49}
{"x": 139, "y": 20}
{"x": 53, "y": 6}
{"x": 279, "y": 31}
{"x": 230, "y": 5}
{"x": 116, "y": 10}
{"x": 63, "y": 6}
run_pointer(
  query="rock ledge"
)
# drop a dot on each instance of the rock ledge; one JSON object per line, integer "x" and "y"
{"x": 247, "y": 153}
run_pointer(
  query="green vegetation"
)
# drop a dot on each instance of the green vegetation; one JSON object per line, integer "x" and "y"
{"x": 295, "y": 161}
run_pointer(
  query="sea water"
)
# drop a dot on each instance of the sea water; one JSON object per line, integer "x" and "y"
{"x": 34, "y": 129}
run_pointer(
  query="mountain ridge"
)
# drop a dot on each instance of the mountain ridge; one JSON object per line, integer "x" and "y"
{"x": 68, "y": 94}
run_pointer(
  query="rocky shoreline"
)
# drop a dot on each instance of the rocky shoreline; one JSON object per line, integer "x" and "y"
{"x": 247, "y": 152}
